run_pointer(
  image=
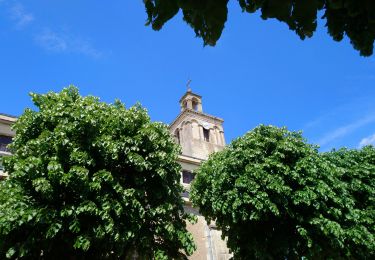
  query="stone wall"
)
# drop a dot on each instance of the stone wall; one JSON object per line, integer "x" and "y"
{"x": 207, "y": 238}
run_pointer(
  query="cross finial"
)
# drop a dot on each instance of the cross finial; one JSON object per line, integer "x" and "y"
{"x": 188, "y": 85}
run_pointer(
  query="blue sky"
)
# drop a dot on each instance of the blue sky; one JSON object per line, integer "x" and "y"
{"x": 259, "y": 72}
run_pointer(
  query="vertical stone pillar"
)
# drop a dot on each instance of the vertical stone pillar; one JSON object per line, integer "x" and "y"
{"x": 189, "y": 104}
{"x": 181, "y": 134}
{"x": 217, "y": 141}
{"x": 200, "y": 107}
{"x": 195, "y": 128}
{"x": 222, "y": 138}
{"x": 188, "y": 138}
{"x": 201, "y": 137}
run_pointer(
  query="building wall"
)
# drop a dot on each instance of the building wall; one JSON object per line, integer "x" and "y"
{"x": 189, "y": 130}
{"x": 6, "y": 132}
{"x": 207, "y": 238}
{"x": 210, "y": 245}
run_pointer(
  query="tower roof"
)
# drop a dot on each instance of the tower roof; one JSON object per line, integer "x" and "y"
{"x": 190, "y": 93}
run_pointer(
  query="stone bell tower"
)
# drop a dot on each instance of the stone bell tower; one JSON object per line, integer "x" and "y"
{"x": 198, "y": 133}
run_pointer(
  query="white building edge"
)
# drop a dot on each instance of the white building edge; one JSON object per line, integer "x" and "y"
{"x": 6, "y": 135}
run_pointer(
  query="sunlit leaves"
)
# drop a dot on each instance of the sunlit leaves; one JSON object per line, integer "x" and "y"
{"x": 358, "y": 172}
{"x": 275, "y": 197}
{"x": 91, "y": 180}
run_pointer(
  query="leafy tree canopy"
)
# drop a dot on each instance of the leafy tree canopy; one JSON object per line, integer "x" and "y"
{"x": 275, "y": 197}
{"x": 90, "y": 180}
{"x": 358, "y": 171}
{"x": 353, "y": 18}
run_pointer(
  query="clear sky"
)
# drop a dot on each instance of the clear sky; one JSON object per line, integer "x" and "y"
{"x": 259, "y": 72}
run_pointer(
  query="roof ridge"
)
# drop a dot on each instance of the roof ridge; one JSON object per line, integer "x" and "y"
{"x": 8, "y": 115}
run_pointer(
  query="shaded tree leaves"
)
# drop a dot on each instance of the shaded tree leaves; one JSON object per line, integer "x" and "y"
{"x": 206, "y": 17}
{"x": 352, "y": 18}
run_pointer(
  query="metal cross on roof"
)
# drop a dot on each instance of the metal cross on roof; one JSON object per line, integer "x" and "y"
{"x": 188, "y": 85}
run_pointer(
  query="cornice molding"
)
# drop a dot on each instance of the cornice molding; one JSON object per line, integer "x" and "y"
{"x": 190, "y": 93}
{"x": 190, "y": 159}
{"x": 7, "y": 118}
{"x": 198, "y": 115}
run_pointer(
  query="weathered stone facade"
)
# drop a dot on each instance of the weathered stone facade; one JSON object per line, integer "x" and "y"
{"x": 199, "y": 135}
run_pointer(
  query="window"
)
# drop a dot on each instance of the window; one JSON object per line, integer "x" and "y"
{"x": 1, "y": 163}
{"x": 177, "y": 135}
{"x": 4, "y": 141}
{"x": 206, "y": 134}
{"x": 195, "y": 105}
{"x": 187, "y": 177}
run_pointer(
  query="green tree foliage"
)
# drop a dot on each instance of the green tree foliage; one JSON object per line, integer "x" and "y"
{"x": 358, "y": 171}
{"x": 90, "y": 180}
{"x": 275, "y": 197}
{"x": 353, "y": 18}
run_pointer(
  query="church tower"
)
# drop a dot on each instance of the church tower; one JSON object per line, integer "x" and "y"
{"x": 198, "y": 133}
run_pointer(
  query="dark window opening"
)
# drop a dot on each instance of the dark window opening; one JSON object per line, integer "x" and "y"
{"x": 177, "y": 135}
{"x": 1, "y": 163}
{"x": 206, "y": 134}
{"x": 4, "y": 142}
{"x": 187, "y": 177}
{"x": 195, "y": 106}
